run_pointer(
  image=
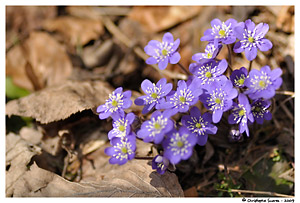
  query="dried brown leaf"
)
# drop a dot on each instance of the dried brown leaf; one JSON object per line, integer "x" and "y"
{"x": 18, "y": 156}
{"x": 134, "y": 179}
{"x": 40, "y": 61}
{"x": 76, "y": 31}
{"x": 158, "y": 18}
{"x": 59, "y": 102}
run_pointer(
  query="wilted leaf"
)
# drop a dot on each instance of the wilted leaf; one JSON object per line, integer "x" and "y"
{"x": 18, "y": 156}
{"x": 39, "y": 62}
{"x": 135, "y": 178}
{"x": 21, "y": 20}
{"x": 76, "y": 31}
{"x": 158, "y": 18}
{"x": 59, "y": 102}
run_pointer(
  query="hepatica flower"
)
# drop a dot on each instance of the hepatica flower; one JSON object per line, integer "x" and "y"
{"x": 211, "y": 51}
{"x": 241, "y": 112}
{"x": 200, "y": 125}
{"x": 209, "y": 71}
{"x": 179, "y": 145}
{"x": 154, "y": 129}
{"x": 115, "y": 104}
{"x": 238, "y": 77}
{"x": 218, "y": 98}
{"x": 163, "y": 52}
{"x": 160, "y": 163}
{"x": 221, "y": 32}
{"x": 251, "y": 38}
{"x": 260, "y": 110}
{"x": 122, "y": 150}
{"x": 263, "y": 83}
{"x": 185, "y": 96}
{"x": 121, "y": 125}
{"x": 155, "y": 94}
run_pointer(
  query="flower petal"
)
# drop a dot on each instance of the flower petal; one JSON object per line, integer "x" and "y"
{"x": 163, "y": 64}
{"x": 251, "y": 53}
{"x": 175, "y": 58}
{"x": 237, "y": 48}
{"x": 151, "y": 61}
{"x": 202, "y": 139}
{"x": 265, "y": 45}
{"x": 168, "y": 37}
{"x": 217, "y": 115}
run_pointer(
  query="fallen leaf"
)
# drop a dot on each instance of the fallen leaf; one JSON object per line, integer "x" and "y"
{"x": 61, "y": 101}
{"x": 76, "y": 31}
{"x": 40, "y": 61}
{"x": 21, "y": 20}
{"x": 158, "y": 18}
{"x": 134, "y": 179}
{"x": 18, "y": 156}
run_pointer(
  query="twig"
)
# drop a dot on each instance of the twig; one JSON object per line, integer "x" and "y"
{"x": 257, "y": 192}
{"x": 113, "y": 29}
{"x": 290, "y": 93}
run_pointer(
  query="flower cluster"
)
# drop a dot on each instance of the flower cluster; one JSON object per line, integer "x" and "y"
{"x": 245, "y": 94}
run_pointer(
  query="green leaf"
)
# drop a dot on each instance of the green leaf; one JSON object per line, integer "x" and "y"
{"x": 13, "y": 91}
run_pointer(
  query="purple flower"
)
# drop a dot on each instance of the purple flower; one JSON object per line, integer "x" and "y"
{"x": 263, "y": 83}
{"x": 199, "y": 124}
{"x": 154, "y": 129}
{"x": 238, "y": 77}
{"x": 115, "y": 104}
{"x": 218, "y": 98}
{"x": 160, "y": 163}
{"x": 241, "y": 113}
{"x": 235, "y": 135}
{"x": 221, "y": 32}
{"x": 121, "y": 125}
{"x": 154, "y": 94}
{"x": 122, "y": 150}
{"x": 179, "y": 145}
{"x": 185, "y": 96}
{"x": 209, "y": 71}
{"x": 251, "y": 38}
{"x": 163, "y": 52}
{"x": 260, "y": 110}
{"x": 211, "y": 51}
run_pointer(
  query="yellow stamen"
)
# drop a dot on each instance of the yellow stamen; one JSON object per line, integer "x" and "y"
{"x": 208, "y": 74}
{"x": 180, "y": 144}
{"x": 222, "y": 33}
{"x": 114, "y": 103}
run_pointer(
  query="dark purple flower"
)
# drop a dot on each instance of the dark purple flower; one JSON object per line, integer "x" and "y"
{"x": 185, "y": 96}
{"x": 251, "y": 38}
{"x": 263, "y": 83}
{"x": 163, "y": 52}
{"x": 155, "y": 94}
{"x": 154, "y": 129}
{"x": 199, "y": 124}
{"x": 179, "y": 145}
{"x": 122, "y": 150}
{"x": 241, "y": 112}
{"x": 235, "y": 135}
{"x": 221, "y": 32}
{"x": 160, "y": 163}
{"x": 260, "y": 110}
{"x": 238, "y": 77}
{"x": 218, "y": 98}
{"x": 209, "y": 71}
{"x": 121, "y": 125}
{"x": 115, "y": 104}
{"x": 211, "y": 51}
